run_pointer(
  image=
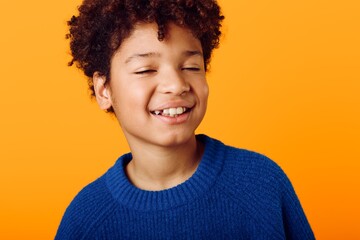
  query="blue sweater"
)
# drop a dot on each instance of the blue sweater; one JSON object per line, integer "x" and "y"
{"x": 234, "y": 194}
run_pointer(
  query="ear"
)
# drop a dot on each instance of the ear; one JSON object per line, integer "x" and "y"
{"x": 102, "y": 92}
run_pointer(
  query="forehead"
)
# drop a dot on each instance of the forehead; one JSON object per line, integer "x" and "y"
{"x": 144, "y": 39}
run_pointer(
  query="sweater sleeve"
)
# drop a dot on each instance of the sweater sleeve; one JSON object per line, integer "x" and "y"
{"x": 84, "y": 214}
{"x": 263, "y": 191}
{"x": 296, "y": 225}
{"x": 72, "y": 223}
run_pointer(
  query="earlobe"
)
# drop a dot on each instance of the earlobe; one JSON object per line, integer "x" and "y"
{"x": 102, "y": 93}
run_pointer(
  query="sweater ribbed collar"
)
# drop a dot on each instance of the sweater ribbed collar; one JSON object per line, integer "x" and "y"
{"x": 204, "y": 177}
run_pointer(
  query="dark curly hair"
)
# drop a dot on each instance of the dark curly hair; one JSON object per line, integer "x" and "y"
{"x": 101, "y": 26}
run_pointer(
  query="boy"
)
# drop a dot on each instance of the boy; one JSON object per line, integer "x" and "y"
{"x": 146, "y": 60}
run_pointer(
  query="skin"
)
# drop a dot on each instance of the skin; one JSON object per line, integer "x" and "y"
{"x": 149, "y": 75}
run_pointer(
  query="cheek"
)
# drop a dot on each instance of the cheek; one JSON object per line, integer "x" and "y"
{"x": 203, "y": 91}
{"x": 135, "y": 98}
{"x": 140, "y": 91}
{"x": 206, "y": 90}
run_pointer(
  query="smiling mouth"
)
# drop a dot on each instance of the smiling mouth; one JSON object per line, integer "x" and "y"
{"x": 171, "y": 112}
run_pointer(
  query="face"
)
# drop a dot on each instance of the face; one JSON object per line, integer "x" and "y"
{"x": 157, "y": 89}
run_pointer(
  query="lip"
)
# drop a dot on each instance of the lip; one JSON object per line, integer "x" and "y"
{"x": 173, "y": 104}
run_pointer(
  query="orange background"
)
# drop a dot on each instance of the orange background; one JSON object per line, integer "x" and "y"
{"x": 285, "y": 82}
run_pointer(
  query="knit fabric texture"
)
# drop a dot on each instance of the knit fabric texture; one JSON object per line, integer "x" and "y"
{"x": 234, "y": 194}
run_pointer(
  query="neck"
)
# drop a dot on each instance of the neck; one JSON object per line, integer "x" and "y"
{"x": 157, "y": 168}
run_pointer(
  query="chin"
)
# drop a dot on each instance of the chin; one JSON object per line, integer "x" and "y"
{"x": 175, "y": 139}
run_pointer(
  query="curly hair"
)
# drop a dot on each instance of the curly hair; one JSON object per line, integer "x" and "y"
{"x": 101, "y": 26}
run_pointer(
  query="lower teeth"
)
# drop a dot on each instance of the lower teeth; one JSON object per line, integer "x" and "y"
{"x": 175, "y": 115}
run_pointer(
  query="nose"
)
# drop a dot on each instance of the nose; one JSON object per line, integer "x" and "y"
{"x": 173, "y": 82}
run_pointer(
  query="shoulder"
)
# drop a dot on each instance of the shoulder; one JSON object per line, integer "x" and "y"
{"x": 246, "y": 166}
{"x": 90, "y": 206}
{"x": 263, "y": 191}
{"x": 250, "y": 175}
{"x": 240, "y": 165}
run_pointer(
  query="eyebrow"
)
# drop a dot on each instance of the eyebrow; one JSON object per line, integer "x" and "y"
{"x": 193, "y": 53}
{"x": 141, "y": 55}
{"x": 187, "y": 53}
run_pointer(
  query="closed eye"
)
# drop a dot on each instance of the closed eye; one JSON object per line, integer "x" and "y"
{"x": 194, "y": 69}
{"x": 147, "y": 71}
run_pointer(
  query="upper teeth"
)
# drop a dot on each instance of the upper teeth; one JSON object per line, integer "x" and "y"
{"x": 171, "y": 111}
